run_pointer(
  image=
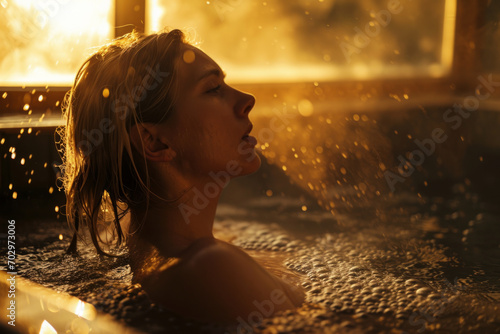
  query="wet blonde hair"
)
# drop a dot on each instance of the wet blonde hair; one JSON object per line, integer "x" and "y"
{"x": 126, "y": 82}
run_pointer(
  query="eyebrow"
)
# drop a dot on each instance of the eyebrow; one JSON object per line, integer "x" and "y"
{"x": 215, "y": 71}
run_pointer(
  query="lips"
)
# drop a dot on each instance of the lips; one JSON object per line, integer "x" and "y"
{"x": 249, "y": 139}
{"x": 247, "y": 134}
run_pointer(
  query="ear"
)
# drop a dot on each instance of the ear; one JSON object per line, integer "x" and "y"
{"x": 146, "y": 139}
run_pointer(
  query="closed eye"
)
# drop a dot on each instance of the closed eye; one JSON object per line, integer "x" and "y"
{"x": 214, "y": 90}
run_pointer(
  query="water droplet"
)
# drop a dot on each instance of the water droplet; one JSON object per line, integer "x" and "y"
{"x": 105, "y": 93}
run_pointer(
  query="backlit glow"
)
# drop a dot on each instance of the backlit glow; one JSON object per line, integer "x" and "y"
{"x": 277, "y": 42}
{"x": 47, "y": 328}
{"x": 46, "y": 42}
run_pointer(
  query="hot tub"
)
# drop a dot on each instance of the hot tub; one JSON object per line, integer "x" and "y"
{"x": 373, "y": 256}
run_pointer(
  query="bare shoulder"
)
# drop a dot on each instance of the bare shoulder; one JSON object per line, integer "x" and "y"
{"x": 215, "y": 280}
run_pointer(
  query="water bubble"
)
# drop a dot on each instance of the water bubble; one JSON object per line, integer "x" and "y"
{"x": 423, "y": 291}
{"x": 412, "y": 281}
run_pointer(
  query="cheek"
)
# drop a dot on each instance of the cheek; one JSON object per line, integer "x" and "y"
{"x": 200, "y": 145}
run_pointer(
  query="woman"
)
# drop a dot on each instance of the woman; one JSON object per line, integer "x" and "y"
{"x": 153, "y": 129}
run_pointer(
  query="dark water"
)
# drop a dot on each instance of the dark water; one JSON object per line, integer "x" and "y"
{"x": 409, "y": 264}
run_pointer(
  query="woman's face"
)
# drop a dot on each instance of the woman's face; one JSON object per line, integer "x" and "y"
{"x": 209, "y": 127}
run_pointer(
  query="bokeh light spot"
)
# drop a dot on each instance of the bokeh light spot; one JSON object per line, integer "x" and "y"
{"x": 188, "y": 56}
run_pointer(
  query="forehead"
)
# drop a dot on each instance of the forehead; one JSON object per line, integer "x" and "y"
{"x": 193, "y": 63}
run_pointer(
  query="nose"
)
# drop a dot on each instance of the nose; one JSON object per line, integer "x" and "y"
{"x": 245, "y": 103}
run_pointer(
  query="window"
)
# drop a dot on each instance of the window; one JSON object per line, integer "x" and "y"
{"x": 273, "y": 40}
{"x": 44, "y": 42}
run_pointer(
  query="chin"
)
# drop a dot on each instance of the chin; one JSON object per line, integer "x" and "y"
{"x": 248, "y": 159}
{"x": 251, "y": 164}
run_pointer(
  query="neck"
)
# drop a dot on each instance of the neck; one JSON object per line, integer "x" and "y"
{"x": 172, "y": 226}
